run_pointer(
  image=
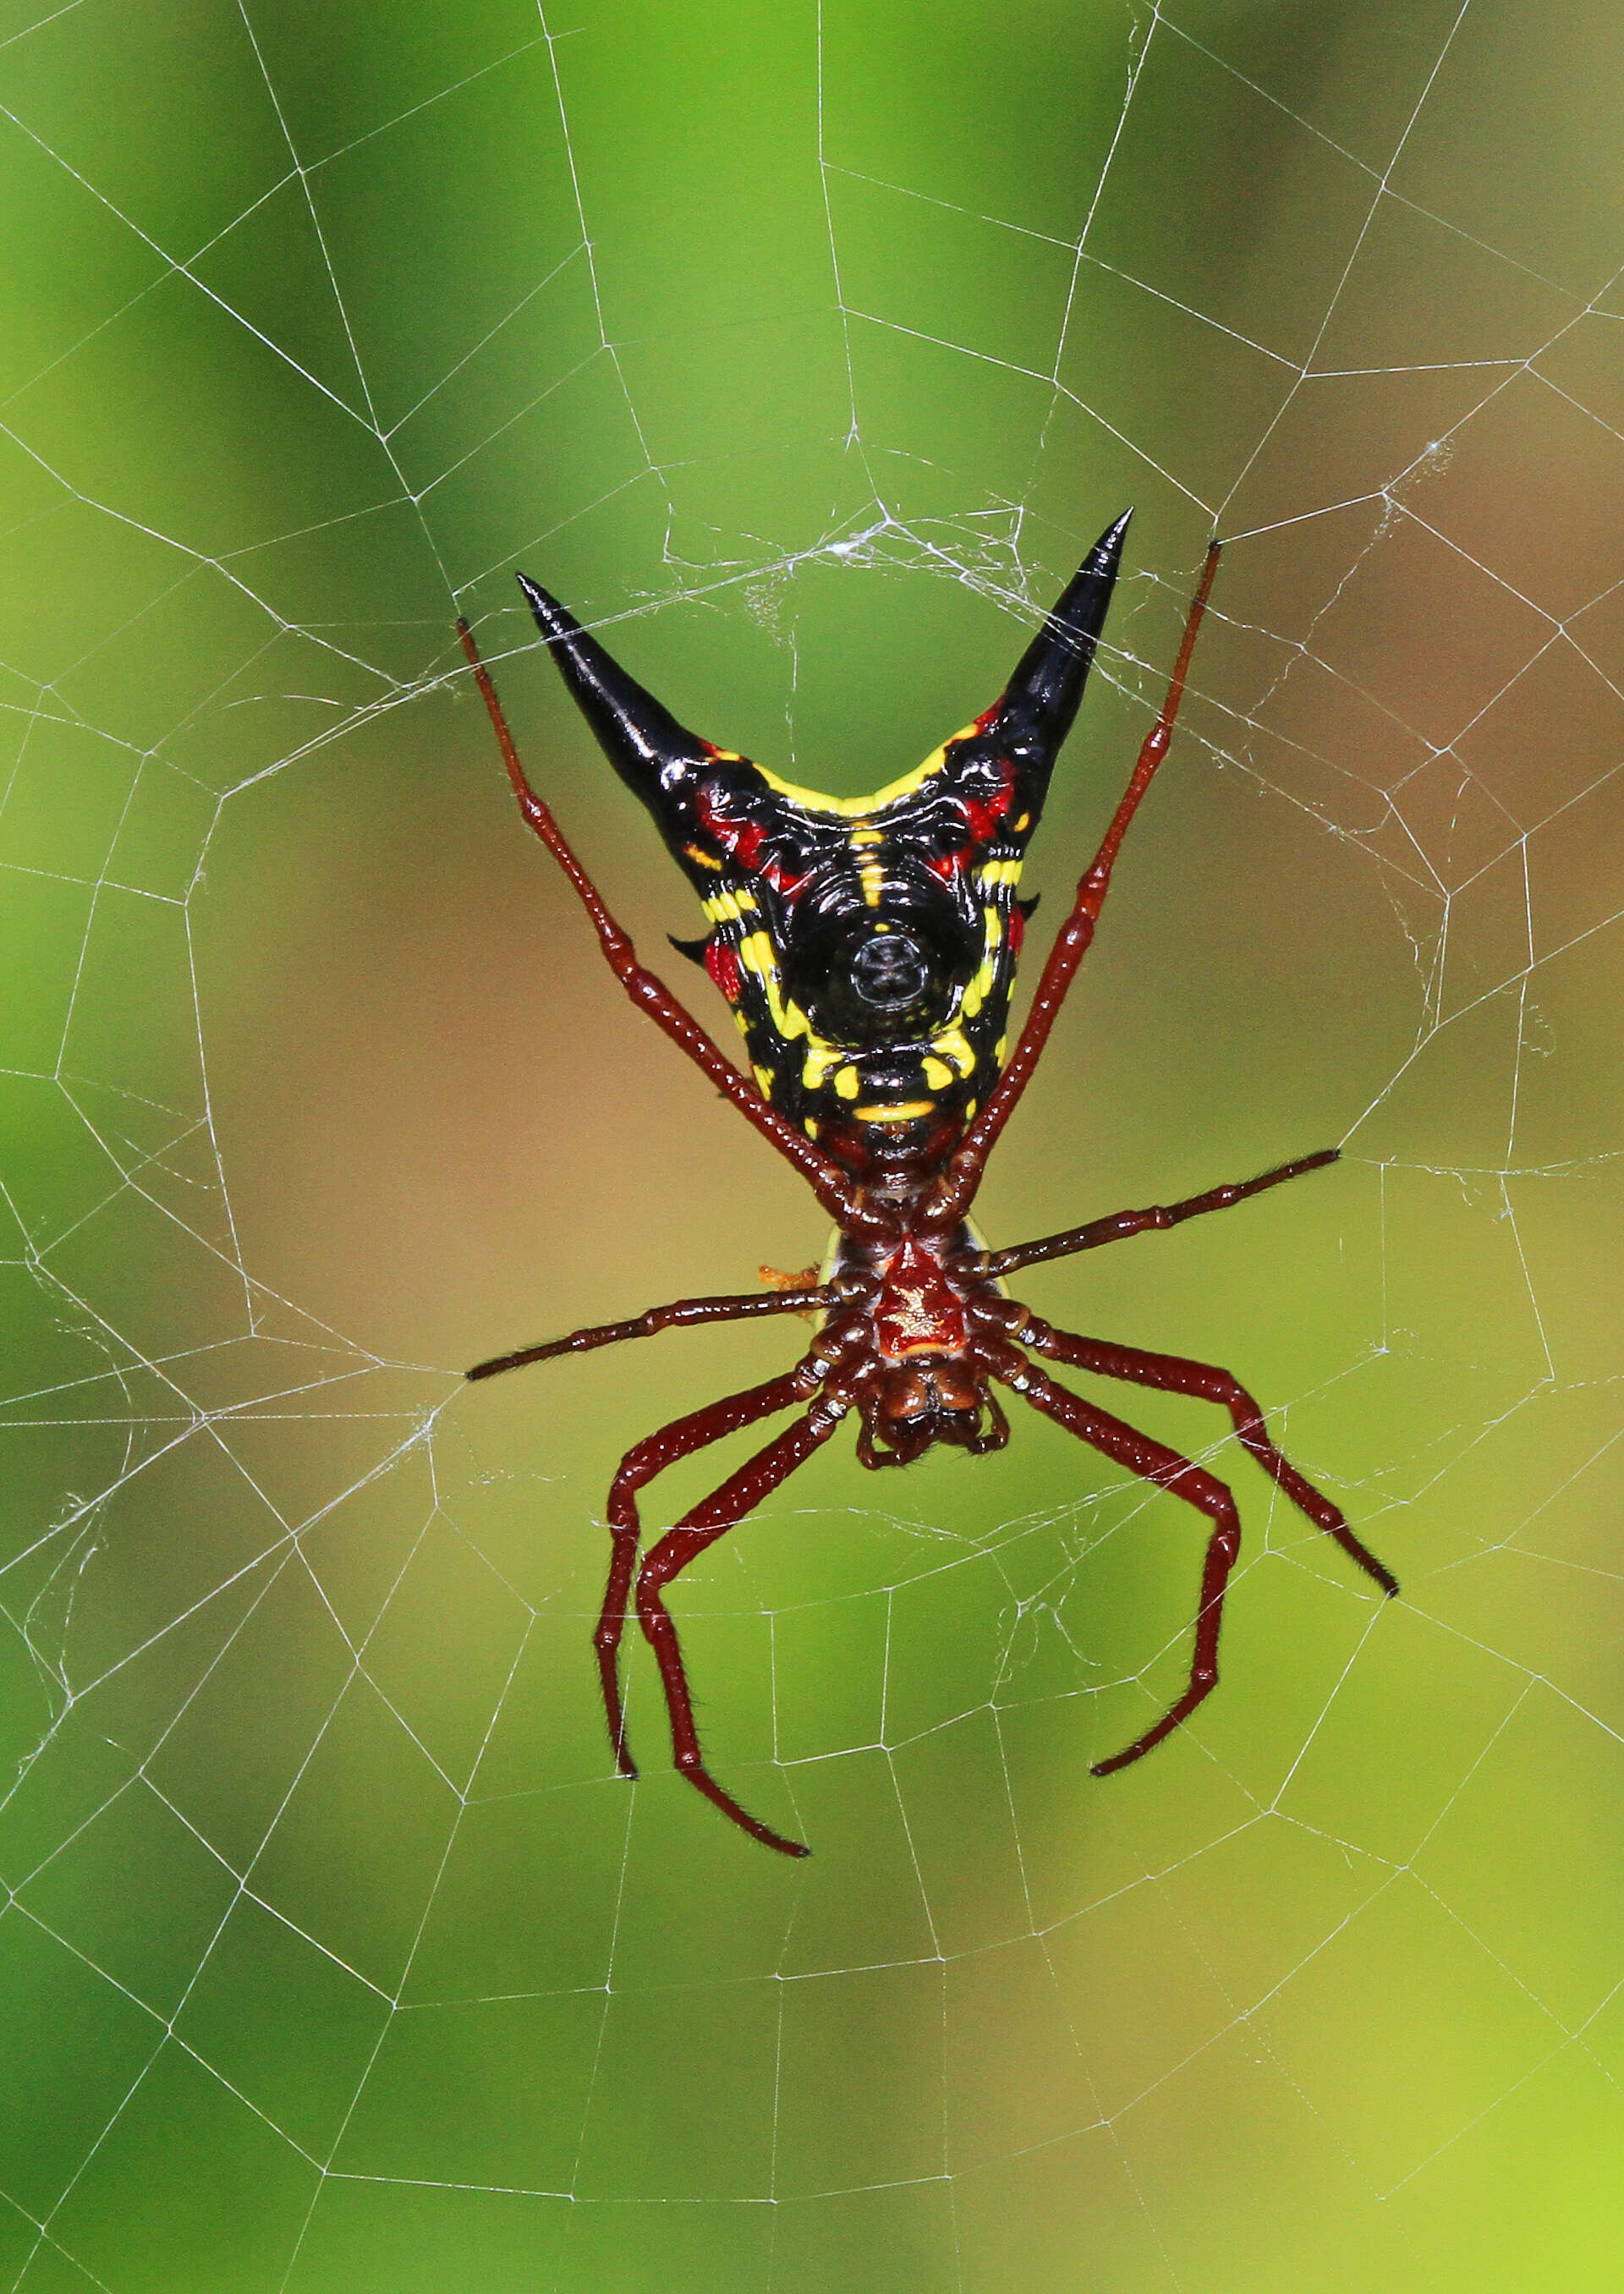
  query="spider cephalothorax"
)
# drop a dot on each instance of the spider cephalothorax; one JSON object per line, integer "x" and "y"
{"x": 867, "y": 948}
{"x": 903, "y": 1349}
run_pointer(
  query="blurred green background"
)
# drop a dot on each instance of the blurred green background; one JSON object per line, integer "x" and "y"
{"x": 333, "y": 1956}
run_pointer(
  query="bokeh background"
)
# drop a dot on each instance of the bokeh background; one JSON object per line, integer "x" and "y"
{"x": 803, "y": 352}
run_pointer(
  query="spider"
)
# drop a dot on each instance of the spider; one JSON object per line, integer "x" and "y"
{"x": 867, "y": 946}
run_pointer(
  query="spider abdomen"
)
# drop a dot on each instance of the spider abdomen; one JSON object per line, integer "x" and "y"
{"x": 866, "y": 946}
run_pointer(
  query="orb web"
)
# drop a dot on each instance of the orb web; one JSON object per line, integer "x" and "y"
{"x": 804, "y": 360}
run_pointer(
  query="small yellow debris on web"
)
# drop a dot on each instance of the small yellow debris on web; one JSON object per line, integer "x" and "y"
{"x": 776, "y": 1279}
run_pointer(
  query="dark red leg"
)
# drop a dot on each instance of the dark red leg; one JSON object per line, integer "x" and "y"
{"x": 650, "y": 993}
{"x": 651, "y": 1456}
{"x": 1159, "y": 1216}
{"x": 964, "y": 1176}
{"x": 1153, "y": 1461}
{"x": 1174, "y": 1374}
{"x": 679, "y": 1315}
{"x": 725, "y": 1507}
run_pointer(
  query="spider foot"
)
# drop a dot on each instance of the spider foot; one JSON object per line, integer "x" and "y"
{"x": 703, "y": 1781}
{"x": 1174, "y": 1718}
{"x": 1357, "y": 1552}
{"x": 608, "y": 1644}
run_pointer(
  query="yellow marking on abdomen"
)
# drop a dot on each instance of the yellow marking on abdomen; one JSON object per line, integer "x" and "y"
{"x": 954, "y": 1044}
{"x": 820, "y": 1059}
{"x": 856, "y": 807}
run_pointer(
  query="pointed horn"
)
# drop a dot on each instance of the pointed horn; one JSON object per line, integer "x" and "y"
{"x": 652, "y": 752}
{"x": 1041, "y": 699}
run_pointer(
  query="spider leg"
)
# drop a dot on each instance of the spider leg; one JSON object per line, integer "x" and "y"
{"x": 1159, "y": 1216}
{"x": 964, "y": 1176}
{"x": 1152, "y": 1461}
{"x": 721, "y": 1511}
{"x": 646, "y": 991}
{"x": 651, "y": 1456}
{"x": 1175, "y": 1374}
{"x": 679, "y": 1315}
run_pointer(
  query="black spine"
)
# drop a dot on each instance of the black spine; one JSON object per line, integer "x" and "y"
{"x": 652, "y": 752}
{"x": 1041, "y": 699}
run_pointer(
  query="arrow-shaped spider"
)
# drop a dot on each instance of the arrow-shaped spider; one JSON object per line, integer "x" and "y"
{"x": 867, "y": 946}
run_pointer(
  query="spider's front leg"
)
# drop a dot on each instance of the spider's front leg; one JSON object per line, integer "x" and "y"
{"x": 1152, "y": 1461}
{"x": 721, "y": 1511}
{"x": 645, "y": 1459}
{"x": 1205, "y": 1382}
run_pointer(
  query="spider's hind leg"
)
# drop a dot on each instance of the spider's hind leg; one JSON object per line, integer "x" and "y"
{"x": 1157, "y": 1216}
{"x": 681, "y": 1314}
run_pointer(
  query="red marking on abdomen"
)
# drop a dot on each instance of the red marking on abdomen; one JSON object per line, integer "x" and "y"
{"x": 742, "y": 841}
{"x": 723, "y": 966}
